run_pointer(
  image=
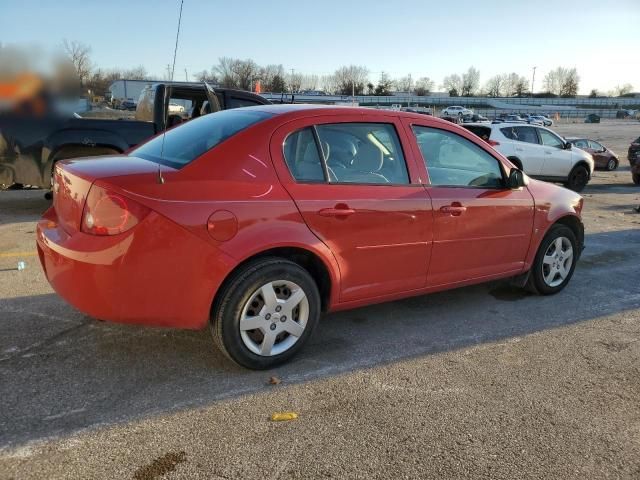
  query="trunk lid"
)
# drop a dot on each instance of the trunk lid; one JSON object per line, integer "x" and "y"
{"x": 72, "y": 180}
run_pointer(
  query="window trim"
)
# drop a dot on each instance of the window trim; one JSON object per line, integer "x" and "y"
{"x": 325, "y": 167}
{"x": 474, "y": 187}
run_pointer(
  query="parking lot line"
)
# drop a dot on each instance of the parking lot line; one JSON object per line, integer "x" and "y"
{"x": 18, "y": 254}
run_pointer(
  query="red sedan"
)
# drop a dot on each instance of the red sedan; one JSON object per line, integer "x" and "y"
{"x": 256, "y": 220}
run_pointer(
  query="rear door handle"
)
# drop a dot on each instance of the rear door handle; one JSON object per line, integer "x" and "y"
{"x": 453, "y": 210}
{"x": 336, "y": 212}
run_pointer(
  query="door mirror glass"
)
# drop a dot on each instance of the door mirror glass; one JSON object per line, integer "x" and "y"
{"x": 567, "y": 146}
{"x": 517, "y": 179}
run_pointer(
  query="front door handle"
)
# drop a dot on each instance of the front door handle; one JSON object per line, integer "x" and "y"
{"x": 453, "y": 210}
{"x": 337, "y": 211}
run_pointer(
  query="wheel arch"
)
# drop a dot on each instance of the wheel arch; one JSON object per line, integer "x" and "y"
{"x": 310, "y": 261}
{"x": 574, "y": 223}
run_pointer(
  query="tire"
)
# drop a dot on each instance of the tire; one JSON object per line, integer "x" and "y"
{"x": 636, "y": 178}
{"x": 541, "y": 276}
{"x": 242, "y": 301}
{"x": 578, "y": 178}
{"x": 612, "y": 164}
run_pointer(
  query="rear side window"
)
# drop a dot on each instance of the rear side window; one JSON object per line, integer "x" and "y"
{"x": 483, "y": 132}
{"x": 526, "y": 134}
{"x": 581, "y": 143}
{"x": 187, "y": 142}
{"x": 454, "y": 161}
{"x": 360, "y": 153}
{"x": 302, "y": 156}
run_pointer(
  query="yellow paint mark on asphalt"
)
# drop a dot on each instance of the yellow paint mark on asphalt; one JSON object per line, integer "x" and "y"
{"x": 18, "y": 254}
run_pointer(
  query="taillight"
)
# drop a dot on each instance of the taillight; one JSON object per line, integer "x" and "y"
{"x": 109, "y": 213}
{"x": 493, "y": 143}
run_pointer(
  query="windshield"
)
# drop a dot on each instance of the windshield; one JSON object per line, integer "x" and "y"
{"x": 187, "y": 142}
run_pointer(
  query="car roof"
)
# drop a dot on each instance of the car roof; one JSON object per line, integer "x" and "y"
{"x": 301, "y": 110}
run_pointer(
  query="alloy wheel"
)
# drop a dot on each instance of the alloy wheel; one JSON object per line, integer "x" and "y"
{"x": 557, "y": 262}
{"x": 274, "y": 318}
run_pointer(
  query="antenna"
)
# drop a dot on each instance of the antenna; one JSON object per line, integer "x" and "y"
{"x": 166, "y": 116}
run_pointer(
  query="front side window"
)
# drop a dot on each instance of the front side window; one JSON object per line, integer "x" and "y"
{"x": 550, "y": 140}
{"x": 454, "y": 161}
{"x": 187, "y": 142}
{"x": 595, "y": 146}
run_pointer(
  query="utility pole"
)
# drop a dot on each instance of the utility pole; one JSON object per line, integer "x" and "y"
{"x": 533, "y": 79}
{"x": 291, "y": 86}
{"x": 186, "y": 75}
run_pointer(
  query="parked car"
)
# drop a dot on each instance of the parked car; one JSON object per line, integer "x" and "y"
{"x": 602, "y": 157}
{"x": 254, "y": 221}
{"x": 592, "y": 118}
{"x": 128, "y": 104}
{"x": 635, "y": 170}
{"x": 456, "y": 111}
{"x": 540, "y": 152}
{"x": 38, "y": 143}
{"x": 420, "y": 110}
{"x": 533, "y": 120}
{"x": 546, "y": 121}
{"x": 634, "y": 149}
{"x": 475, "y": 118}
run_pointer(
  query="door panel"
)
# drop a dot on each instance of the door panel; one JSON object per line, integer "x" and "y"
{"x": 380, "y": 234}
{"x": 481, "y": 228}
{"x": 491, "y": 236}
{"x": 557, "y": 160}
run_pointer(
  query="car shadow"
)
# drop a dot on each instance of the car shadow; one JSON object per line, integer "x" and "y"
{"x": 62, "y": 372}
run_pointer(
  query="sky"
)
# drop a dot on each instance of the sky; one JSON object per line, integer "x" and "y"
{"x": 599, "y": 38}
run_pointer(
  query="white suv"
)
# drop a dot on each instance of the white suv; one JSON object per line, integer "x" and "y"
{"x": 539, "y": 152}
{"x": 456, "y": 111}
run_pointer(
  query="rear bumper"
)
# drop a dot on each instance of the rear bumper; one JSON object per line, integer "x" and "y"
{"x": 157, "y": 274}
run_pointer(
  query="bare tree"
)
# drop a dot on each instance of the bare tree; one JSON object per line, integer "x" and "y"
{"x": 294, "y": 80}
{"x": 495, "y": 86}
{"x": 225, "y": 72}
{"x": 424, "y": 86}
{"x": 309, "y": 82}
{"x": 562, "y": 81}
{"x": 404, "y": 84}
{"x": 350, "y": 79}
{"x": 78, "y": 54}
{"x": 470, "y": 82}
{"x": 452, "y": 84}
{"x": 619, "y": 91}
{"x": 137, "y": 73}
{"x": 273, "y": 78}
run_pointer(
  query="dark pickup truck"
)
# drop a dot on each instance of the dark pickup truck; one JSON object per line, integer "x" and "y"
{"x": 29, "y": 146}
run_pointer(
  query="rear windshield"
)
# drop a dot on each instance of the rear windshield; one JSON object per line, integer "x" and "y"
{"x": 187, "y": 142}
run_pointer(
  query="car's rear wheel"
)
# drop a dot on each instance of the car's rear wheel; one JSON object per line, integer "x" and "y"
{"x": 612, "y": 164}
{"x": 578, "y": 178}
{"x": 555, "y": 261}
{"x": 265, "y": 313}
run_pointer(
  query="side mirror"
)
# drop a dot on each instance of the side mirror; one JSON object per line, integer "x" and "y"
{"x": 567, "y": 146}
{"x": 517, "y": 179}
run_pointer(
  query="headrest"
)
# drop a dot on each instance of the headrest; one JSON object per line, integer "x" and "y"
{"x": 369, "y": 158}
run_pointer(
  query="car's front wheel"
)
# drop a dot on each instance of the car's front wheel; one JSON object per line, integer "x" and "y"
{"x": 578, "y": 178}
{"x": 265, "y": 313}
{"x": 555, "y": 261}
{"x": 636, "y": 178}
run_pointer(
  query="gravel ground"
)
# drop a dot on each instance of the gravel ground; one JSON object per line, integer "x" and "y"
{"x": 481, "y": 382}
